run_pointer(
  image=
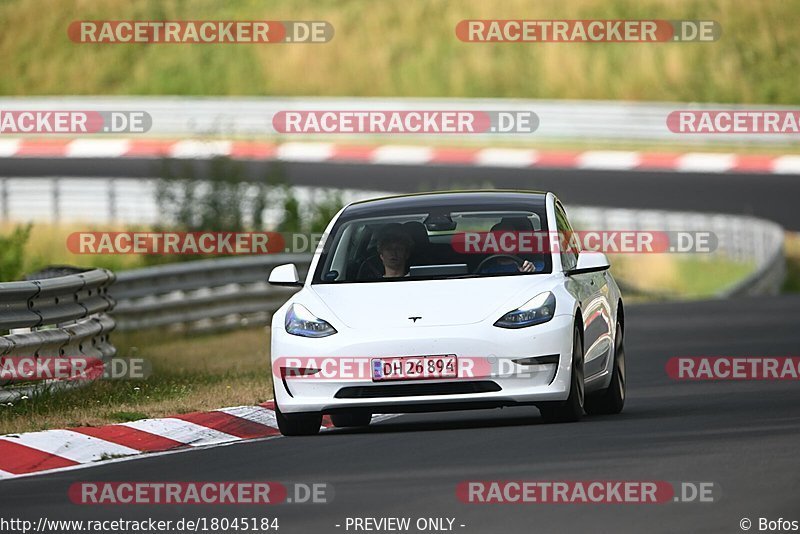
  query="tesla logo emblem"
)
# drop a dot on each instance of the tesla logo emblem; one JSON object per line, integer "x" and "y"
{"x": 414, "y": 319}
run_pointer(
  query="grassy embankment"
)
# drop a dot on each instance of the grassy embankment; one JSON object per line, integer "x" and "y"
{"x": 409, "y": 49}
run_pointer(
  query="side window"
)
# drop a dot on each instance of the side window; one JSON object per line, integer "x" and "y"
{"x": 569, "y": 253}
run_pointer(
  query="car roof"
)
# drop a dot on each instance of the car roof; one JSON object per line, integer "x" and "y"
{"x": 447, "y": 200}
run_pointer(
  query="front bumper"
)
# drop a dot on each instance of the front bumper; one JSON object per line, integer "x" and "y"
{"x": 490, "y": 350}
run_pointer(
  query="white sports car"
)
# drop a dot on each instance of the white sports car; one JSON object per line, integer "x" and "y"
{"x": 438, "y": 301}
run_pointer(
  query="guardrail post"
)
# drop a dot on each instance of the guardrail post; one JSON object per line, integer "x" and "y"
{"x": 4, "y": 199}
{"x": 112, "y": 200}
{"x": 56, "y": 199}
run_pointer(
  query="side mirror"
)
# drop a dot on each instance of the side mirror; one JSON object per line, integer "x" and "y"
{"x": 590, "y": 262}
{"x": 285, "y": 275}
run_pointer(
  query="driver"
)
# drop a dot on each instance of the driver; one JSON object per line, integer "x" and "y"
{"x": 394, "y": 249}
{"x": 506, "y": 264}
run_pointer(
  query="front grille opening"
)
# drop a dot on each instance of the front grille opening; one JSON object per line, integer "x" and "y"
{"x": 413, "y": 390}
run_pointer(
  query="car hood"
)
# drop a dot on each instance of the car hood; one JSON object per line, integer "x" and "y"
{"x": 435, "y": 302}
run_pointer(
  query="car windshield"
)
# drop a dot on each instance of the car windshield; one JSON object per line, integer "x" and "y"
{"x": 435, "y": 245}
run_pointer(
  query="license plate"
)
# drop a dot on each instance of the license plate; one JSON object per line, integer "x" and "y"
{"x": 414, "y": 367}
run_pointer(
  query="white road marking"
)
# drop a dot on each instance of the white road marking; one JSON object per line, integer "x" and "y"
{"x": 71, "y": 445}
{"x": 256, "y": 414}
{"x": 786, "y": 165}
{"x": 704, "y": 162}
{"x": 608, "y": 159}
{"x": 189, "y": 149}
{"x": 506, "y": 157}
{"x": 98, "y": 148}
{"x": 182, "y": 431}
{"x": 401, "y": 155}
{"x": 305, "y": 151}
{"x": 9, "y": 147}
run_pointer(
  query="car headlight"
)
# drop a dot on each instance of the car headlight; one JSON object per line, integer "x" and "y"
{"x": 301, "y": 322}
{"x": 538, "y": 310}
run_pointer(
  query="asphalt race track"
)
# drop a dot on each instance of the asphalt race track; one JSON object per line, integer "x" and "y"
{"x": 743, "y": 436}
{"x": 771, "y": 196}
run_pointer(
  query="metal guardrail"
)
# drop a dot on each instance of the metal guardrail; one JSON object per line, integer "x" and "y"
{"x": 559, "y": 119}
{"x": 742, "y": 239}
{"x": 128, "y": 201}
{"x": 63, "y": 317}
{"x": 202, "y": 295}
{"x": 768, "y": 278}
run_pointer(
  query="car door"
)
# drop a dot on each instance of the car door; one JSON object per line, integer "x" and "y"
{"x": 600, "y": 322}
{"x": 592, "y": 291}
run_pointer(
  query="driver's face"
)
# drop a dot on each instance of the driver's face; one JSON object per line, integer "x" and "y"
{"x": 394, "y": 256}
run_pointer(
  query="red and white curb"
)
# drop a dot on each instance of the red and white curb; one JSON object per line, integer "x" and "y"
{"x": 401, "y": 155}
{"x": 49, "y": 450}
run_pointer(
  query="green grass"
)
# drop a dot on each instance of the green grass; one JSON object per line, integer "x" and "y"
{"x": 792, "y": 251}
{"x": 706, "y": 278}
{"x": 190, "y": 373}
{"x": 668, "y": 276}
{"x": 409, "y": 49}
{"x": 47, "y": 246}
{"x": 124, "y": 417}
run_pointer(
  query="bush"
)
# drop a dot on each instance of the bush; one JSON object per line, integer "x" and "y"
{"x": 229, "y": 201}
{"x": 224, "y": 201}
{"x": 13, "y": 256}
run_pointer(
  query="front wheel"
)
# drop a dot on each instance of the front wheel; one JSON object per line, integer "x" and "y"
{"x": 571, "y": 409}
{"x": 298, "y": 424}
{"x": 611, "y": 400}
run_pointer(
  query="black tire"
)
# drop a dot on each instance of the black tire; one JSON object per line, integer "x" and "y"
{"x": 350, "y": 419}
{"x": 570, "y": 410}
{"x": 298, "y": 424}
{"x": 612, "y": 399}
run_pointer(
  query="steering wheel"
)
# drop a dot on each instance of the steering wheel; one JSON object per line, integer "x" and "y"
{"x": 494, "y": 257}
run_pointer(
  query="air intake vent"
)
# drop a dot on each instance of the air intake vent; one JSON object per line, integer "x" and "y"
{"x": 413, "y": 390}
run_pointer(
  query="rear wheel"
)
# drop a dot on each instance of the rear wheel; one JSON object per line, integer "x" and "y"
{"x": 350, "y": 419}
{"x": 612, "y": 399}
{"x": 571, "y": 409}
{"x": 298, "y": 424}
